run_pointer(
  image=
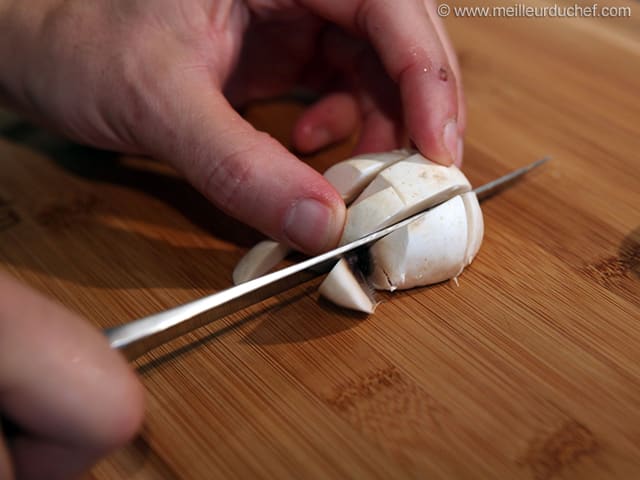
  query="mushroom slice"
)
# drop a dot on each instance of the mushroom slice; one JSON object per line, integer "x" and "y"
{"x": 259, "y": 260}
{"x": 342, "y": 287}
{"x": 351, "y": 176}
{"x": 401, "y": 190}
{"x": 475, "y": 226}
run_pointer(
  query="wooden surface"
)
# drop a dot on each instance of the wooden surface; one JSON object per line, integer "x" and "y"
{"x": 530, "y": 368}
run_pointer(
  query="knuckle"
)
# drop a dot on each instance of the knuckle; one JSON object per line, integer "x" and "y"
{"x": 229, "y": 180}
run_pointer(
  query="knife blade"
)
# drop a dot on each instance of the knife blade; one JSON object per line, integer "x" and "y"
{"x": 140, "y": 336}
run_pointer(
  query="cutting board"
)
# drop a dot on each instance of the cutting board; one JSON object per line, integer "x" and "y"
{"x": 528, "y": 368}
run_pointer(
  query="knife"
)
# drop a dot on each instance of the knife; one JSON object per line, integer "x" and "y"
{"x": 140, "y": 336}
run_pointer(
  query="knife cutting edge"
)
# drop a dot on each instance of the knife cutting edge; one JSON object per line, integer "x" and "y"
{"x": 140, "y": 336}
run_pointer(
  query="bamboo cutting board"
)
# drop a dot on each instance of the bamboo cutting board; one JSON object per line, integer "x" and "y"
{"x": 530, "y": 368}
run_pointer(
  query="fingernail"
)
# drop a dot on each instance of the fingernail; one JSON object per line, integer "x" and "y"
{"x": 309, "y": 225}
{"x": 450, "y": 139}
{"x": 459, "y": 156}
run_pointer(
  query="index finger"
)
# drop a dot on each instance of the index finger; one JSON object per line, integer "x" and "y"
{"x": 414, "y": 57}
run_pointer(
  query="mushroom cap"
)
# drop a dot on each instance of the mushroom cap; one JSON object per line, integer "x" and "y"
{"x": 432, "y": 249}
{"x": 399, "y": 191}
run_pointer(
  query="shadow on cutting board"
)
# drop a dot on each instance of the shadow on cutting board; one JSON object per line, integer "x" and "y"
{"x": 61, "y": 230}
{"x": 108, "y": 167}
{"x": 301, "y": 328}
{"x": 62, "y": 233}
{"x": 277, "y": 324}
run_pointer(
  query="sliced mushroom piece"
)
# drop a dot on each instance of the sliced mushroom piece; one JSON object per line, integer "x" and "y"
{"x": 350, "y": 177}
{"x": 343, "y": 288}
{"x": 401, "y": 190}
{"x": 475, "y": 226}
{"x": 430, "y": 250}
{"x": 259, "y": 260}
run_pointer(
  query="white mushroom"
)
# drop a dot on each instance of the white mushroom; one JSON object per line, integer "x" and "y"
{"x": 259, "y": 260}
{"x": 434, "y": 248}
{"x": 352, "y": 176}
{"x": 344, "y": 289}
{"x": 399, "y": 191}
{"x": 349, "y": 178}
{"x": 389, "y": 187}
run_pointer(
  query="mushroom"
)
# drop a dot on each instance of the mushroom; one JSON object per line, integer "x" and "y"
{"x": 349, "y": 178}
{"x": 346, "y": 287}
{"x": 382, "y": 189}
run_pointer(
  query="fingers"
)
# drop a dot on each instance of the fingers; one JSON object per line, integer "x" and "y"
{"x": 247, "y": 173}
{"x": 335, "y": 117}
{"x": 331, "y": 119}
{"x": 71, "y": 396}
{"x": 415, "y": 58}
{"x": 381, "y": 125}
{"x": 379, "y": 133}
{"x": 455, "y": 65}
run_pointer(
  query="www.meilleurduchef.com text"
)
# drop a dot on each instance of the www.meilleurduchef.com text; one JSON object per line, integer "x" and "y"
{"x": 529, "y": 11}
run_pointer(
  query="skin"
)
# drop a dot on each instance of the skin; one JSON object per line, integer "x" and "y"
{"x": 164, "y": 78}
{"x": 70, "y": 398}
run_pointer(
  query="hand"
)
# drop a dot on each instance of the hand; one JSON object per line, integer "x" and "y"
{"x": 68, "y": 398}
{"x": 160, "y": 77}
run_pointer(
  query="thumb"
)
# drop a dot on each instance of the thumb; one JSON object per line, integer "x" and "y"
{"x": 248, "y": 174}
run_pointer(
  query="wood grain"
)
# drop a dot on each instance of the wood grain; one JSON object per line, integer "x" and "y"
{"x": 530, "y": 368}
